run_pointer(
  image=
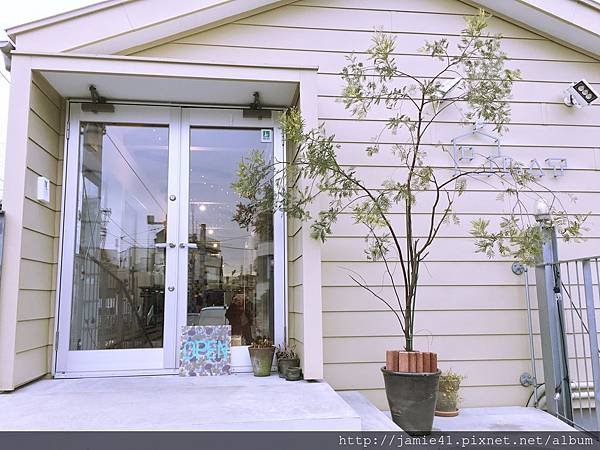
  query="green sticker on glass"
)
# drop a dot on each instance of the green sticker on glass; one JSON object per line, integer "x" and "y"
{"x": 266, "y": 135}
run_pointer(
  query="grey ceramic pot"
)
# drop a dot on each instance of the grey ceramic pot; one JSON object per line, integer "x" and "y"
{"x": 284, "y": 364}
{"x": 412, "y": 397}
{"x": 262, "y": 359}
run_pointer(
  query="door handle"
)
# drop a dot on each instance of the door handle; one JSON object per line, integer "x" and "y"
{"x": 165, "y": 245}
{"x": 188, "y": 245}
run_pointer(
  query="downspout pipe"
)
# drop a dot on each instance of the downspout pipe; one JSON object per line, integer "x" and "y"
{"x": 6, "y": 47}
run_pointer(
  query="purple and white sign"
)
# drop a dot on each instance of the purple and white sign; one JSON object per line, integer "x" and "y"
{"x": 205, "y": 351}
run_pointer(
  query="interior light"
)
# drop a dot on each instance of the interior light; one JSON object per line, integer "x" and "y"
{"x": 202, "y": 208}
{"x": 211, "y": 231}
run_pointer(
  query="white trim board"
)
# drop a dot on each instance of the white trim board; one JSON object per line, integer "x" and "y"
{"x": 133, "y": 25}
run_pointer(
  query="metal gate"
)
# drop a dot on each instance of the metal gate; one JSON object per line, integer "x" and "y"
{"x": 568, "y": 295}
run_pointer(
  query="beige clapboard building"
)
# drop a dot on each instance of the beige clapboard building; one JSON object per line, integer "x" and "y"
{"x": 118, "y": 218}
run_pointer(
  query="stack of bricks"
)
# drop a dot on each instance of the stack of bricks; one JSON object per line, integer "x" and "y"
{"x": 415, "y": 362}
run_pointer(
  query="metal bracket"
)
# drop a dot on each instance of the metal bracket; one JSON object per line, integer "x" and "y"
{"x": 98, "y": 103}
{"x": 256, "y": 110}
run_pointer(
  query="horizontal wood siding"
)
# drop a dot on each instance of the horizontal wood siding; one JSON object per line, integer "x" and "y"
{"x": 472, "y": 309}
{"x": 39, "y": 247}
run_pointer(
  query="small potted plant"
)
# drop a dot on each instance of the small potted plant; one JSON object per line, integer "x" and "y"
{"x": 286, "y": 358}
{"x": 261, "y": 351}
{"x": 447, "y": 397}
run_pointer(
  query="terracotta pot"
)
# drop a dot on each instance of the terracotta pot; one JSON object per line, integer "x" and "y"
{"x": 262, "y": 359}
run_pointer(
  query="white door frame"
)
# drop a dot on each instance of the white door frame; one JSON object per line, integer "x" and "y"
{"x": 82, "y": 363}
{"x": 233, "y": 118}
{"x": 73, "y": 363}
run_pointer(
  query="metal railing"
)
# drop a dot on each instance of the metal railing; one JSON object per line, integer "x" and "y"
{"x": 581, "y": 297}
{"x": 568, "y": 293}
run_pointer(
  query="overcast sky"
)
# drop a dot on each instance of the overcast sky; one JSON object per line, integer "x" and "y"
{"x": 17, "y": 12}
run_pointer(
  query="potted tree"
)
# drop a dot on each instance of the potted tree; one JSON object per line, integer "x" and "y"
{"x": 312, "y": 185}
{"x": 286, "y": 357}
{"x": 261, "y": 355}
{"x": 448, "y": 396}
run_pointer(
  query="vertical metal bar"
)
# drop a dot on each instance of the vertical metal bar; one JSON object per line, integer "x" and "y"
{"x": 565, "y": 389}
{"x": 573, "y": 329}
{"x": 592, "y": 333}
{"x": 531, "y": 344}
{"x": 551, "y": 333}
{"x": 584, "y": 331}
{"x": 1, "y": 236}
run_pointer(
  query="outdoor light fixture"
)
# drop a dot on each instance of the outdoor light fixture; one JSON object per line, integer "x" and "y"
{"x": 542, "y": 208}
{"x": 542, "y": 211}
{"x": 580, "y": 94}
{"x": 448, "y": 85}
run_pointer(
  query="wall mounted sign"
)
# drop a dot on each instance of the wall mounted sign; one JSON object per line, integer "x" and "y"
{"x": 205, "y": 351}
{"x": 466, "y": 153}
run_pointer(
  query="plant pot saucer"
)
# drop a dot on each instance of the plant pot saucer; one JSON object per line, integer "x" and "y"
{"x": 446, "y": 413}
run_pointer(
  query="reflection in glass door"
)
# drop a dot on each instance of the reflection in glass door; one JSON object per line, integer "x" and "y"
{"x": 150, "y": 243}
{"x": 119, "y": 261}
{"x": 230, "y": 268}
{"x": 117, "y": 303}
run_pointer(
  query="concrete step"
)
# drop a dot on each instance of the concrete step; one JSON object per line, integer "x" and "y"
{"x": 502, "y": 418}
{"x": 371, "y": 418}
{"x": 169, "y": 403}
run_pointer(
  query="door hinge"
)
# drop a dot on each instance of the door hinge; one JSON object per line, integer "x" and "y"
{"x": 68, "y": 129}
{"x": 56, "y": 341}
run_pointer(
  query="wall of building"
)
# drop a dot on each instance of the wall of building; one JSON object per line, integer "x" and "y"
{"x": 39, "y": 244}
{"x": 471, "y": 309}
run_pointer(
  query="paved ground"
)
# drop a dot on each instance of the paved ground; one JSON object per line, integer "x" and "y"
{"x": 371, "y": 418}
{"x": 513, "y": 418}
{"x": 236, "y": 402}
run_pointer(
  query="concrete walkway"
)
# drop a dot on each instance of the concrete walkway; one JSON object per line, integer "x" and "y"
{"x": 512, "y": 418}
{"x": 509, "y": 418}
{"x": 235, "y": 402}
{"x": 371, "y": 418}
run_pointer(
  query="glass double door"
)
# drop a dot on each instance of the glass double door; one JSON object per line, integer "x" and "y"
{"x": 150, "y": 240}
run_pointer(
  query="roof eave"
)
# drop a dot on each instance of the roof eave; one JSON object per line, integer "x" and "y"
{"x": 12, "y": 32}
{"x": 575, "y": 23}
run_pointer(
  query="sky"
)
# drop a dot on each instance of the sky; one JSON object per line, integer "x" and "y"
{"x": 17, "y": 12}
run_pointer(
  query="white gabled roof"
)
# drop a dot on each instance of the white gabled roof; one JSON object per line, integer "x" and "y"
{"x": 115, "y": 26}
{"x": 574, "y": 22}
{"x": 122, "y": 26}
{"x": 47, "y": 21}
